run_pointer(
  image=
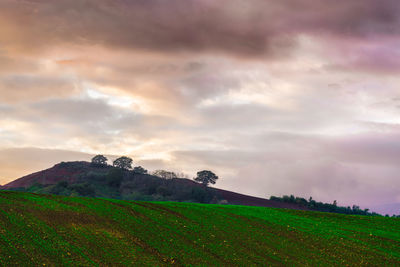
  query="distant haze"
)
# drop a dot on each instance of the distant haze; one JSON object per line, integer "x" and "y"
{"x": 276, "y": 97}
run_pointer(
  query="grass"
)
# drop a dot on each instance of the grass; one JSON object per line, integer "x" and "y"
{"x": 74, "y": 231}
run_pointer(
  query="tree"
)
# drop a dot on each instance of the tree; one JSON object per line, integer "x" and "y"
{"x": 99, "y": 160}
{"x": 140, "y": 170}
{"x": 206, "y": 177}
{"x": 123, "y": 163}
{"x": 165, "y": 174}
{"x": 115, "y": 177}
{"x": 163, "y": 191}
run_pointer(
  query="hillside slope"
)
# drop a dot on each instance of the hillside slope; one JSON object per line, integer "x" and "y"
{"x": 55, "y": 230}
{"x": 86, "y": 180}
{"x": 64, "y": 171}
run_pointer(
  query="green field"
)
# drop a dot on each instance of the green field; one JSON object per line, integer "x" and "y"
{"x": 53, "y": 230}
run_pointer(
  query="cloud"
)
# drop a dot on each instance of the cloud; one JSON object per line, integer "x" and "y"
{"x": 28, "y": 88}
{"x": 279, "y": 97}
{"x": 237, "y": 28}
{"x": 86, "y": 124}
{"x": 375, "y": 55}
{"x": 350, "y": 170}
{"x": 11, "y": 65}
{"x": 17, "y": 162}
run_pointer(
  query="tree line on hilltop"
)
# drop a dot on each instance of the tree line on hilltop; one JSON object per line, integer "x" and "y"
{"x": 123, "y": 181}
{"x": 204, "y": 177}
{"x": 326, "y": 207}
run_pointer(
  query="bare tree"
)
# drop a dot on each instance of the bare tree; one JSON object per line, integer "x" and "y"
{"x": 164, "y": 174}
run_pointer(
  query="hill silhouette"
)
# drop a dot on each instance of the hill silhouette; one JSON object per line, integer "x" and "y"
{"x": 81, "y": 178}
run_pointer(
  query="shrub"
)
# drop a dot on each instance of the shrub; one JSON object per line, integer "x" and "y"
{"x": 139, "y": 170}
{"x": 84, "y": 189}
{"x": 201, "y": 195}
{"x": 59, "y": 188}
{"x": 115, "y": 177}
{"x": 163, "y": 191}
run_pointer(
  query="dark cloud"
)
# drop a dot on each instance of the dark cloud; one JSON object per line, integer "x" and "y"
{"x": 237, "y": 27}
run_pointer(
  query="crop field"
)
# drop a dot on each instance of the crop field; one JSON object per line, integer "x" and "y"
{"x": 47, "y": 230}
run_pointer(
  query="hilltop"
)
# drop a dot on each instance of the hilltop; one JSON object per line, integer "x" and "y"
{"x": 80, "y": 178}
{"x": 71, "y": 231}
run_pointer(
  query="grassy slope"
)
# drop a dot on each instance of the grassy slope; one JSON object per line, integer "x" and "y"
{"x": 54, "y": 230}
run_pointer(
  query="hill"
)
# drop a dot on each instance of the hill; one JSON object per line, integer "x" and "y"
{"x": 83, "y": 179}
{"x": 64, "y": 171}
{"x": 75, "y": 231}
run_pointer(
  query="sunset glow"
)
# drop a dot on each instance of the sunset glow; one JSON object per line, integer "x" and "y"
{"x": 274, "y": 101}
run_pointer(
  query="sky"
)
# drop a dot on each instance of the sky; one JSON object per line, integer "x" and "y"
{"x": 276, "y": 97}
